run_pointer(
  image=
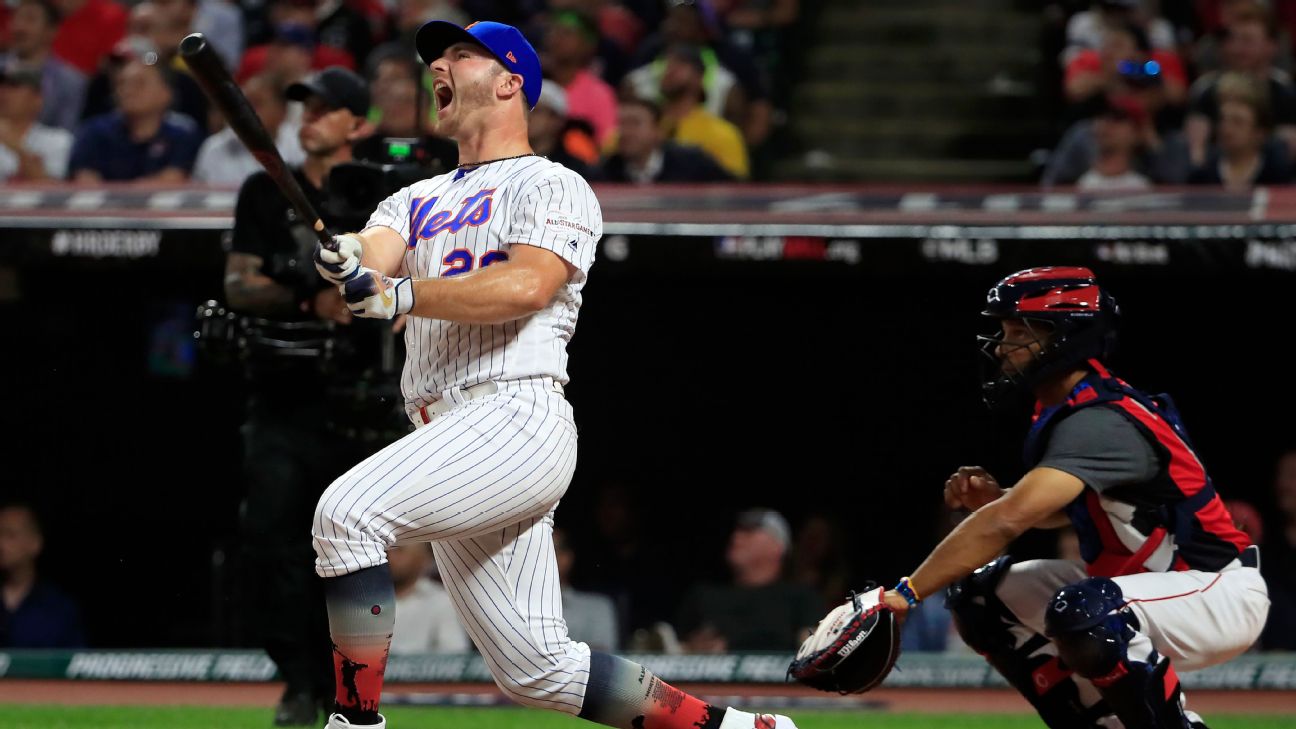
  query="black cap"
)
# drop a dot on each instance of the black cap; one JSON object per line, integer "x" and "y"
{"x": 338, "y": 87}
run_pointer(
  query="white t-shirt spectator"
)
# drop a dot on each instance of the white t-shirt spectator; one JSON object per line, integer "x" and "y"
{"x": 426, "y": 622}
{"x": 1096, "y": 181}
{"x": 590, "y": 618}
{"x": 223, "y": 160}
{"x": 51, "y": 144}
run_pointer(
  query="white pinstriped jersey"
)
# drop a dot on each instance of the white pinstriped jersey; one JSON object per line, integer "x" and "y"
{"x": 464, "y": 220}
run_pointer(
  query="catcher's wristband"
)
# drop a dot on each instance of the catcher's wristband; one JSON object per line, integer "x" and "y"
{"x": 907, "y": 592}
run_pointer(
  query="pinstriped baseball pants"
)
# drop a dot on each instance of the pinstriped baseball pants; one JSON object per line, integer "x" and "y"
{"x": 481, "y": 482}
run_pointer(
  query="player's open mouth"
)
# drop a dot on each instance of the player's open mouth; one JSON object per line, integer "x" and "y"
{"x": 443, "y": 94}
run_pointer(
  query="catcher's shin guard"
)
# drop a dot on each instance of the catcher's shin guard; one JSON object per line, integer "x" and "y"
{"x": 1096, "y": 638}
{"x": 1024, "y": 658}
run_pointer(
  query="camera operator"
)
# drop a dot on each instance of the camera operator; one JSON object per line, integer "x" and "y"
{"x": 301, "y": 354}
{"x": 1126, "y": 64}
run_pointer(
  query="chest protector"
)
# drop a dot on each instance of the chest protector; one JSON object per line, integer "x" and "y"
{"x": 1173, "y": 521}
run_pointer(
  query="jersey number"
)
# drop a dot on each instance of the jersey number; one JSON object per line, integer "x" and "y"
{"x": 460, "y": 260}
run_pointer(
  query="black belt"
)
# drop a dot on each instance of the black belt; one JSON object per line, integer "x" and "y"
{"x": 1250, "y": 557}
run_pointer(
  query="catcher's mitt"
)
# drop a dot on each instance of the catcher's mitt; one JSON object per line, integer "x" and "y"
{"x": 852, "y": 649}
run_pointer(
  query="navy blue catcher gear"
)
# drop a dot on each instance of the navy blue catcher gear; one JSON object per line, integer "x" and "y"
{"x": 1022, "y": 657}
{"x": 1074, "y": 320}
{"x": 1094, "y": 637}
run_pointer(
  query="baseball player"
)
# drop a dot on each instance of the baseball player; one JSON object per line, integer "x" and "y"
{"x": 1167, "y": 583}
{"x": 487, "y": 263}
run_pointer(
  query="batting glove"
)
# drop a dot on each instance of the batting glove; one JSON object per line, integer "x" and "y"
{"x": 342, "y": 265}
{"x": 375, "y": 296}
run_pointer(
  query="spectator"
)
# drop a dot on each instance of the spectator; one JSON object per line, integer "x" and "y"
{"x": 610, "y": 59}
{"x": 1125, "y": 64}
{"x": 590, "y": 617}
{"x": 761, "y": 27}
{"x": 735, "y": 88}
{"x": 29, "y": 150}
{"x": 89, "y": 30}
{"x": 290, "y": 56}
{"x": 819, "y": 560}
{"x": 340, "y": 24}
{"x": 295, "y": 46}
{"x": 404, "y": 22}
{"x": 623, "y": 563}
{"x": 929, "y": 625}
{"x": 644, "y": 156}
{"x": 153, "y": 37}
{"x": 759, "y": 610}
{"x": 223, "y": 160}
{"x": 1246, "y": 518}
{"x": 1208, "y": 50}
{"x": 63, "y": 87}
{"x": 1249, "y": 49}
{"x": 688, "y": 122}
{"x": 552, "y": 135}
{"x": 1085, "y": 28}
{"x": 753, "y": 15}
{"x": 1162, "y": 160}
{"x": 1246, "y": 154}
{"x": 1117, "y": 136}
{"x": 222, "y": 22}
{"x": 33, "y": 613}
{"x": 570, "y": 41}
{"x": 1278, "y": 561}
{"x": 426, "y": 621}
{"x": 141, "y": 140}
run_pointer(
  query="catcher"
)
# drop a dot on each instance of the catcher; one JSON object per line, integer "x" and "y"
{"x": 1167, "y": 581}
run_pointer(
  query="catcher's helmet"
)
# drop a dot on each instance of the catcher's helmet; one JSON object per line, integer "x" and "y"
{"x": 1077, "y": 321}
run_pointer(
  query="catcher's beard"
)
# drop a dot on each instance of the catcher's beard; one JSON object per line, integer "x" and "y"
{"x": 627, "y": 695}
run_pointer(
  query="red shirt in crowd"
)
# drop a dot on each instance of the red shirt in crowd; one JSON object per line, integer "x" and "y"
{"x": 1089, "y": 61}
{"x": 254, "y": 60}
{"x": 86, "y": 36}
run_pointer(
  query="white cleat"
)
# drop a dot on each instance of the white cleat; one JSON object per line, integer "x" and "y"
{"x": 337, "y": 721}
{"x": 735, "y": 719}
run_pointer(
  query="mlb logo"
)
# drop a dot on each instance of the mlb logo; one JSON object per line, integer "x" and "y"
{"x": 511, "y": 57}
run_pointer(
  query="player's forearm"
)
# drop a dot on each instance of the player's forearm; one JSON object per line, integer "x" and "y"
{"x": 259, "y": 295}
{"x": 493, "y": 295}
{"x": 978, "y": 539}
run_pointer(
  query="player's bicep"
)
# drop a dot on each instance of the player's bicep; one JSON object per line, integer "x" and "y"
{"x": 549, "y": 271}
{"x": 384, "y": 249}
{"x": 1036, "y": 498}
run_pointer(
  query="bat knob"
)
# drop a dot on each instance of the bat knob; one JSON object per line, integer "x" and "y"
{"x": 192, "y": 44}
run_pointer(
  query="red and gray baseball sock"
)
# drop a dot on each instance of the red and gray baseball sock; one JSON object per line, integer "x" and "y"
{"x": 628, "y": 696}
{"x": 362, "y": 611}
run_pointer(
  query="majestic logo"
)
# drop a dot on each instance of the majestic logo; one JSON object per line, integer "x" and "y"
{"x": 473, "y": 211}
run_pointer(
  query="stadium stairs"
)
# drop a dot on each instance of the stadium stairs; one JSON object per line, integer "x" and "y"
{"x": 917, "y": 91}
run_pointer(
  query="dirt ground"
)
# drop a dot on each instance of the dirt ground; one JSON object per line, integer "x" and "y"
{"x": 898, "y": 700}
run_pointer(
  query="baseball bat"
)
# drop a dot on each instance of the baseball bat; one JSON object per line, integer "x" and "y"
{"x": 209, "y": 71}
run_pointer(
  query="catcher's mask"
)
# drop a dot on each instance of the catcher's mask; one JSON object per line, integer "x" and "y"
{"x": 1070, "y": 319}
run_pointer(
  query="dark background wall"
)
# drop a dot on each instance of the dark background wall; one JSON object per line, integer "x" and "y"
{"x": 698, "y": 392}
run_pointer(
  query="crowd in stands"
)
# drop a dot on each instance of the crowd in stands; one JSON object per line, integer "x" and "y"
{"x": 1190, "y": 93}
{"x": 94, "y": 90}
{"x": 780, "y": 581}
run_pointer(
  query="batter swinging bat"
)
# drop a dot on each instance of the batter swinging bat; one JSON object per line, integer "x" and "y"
{"x": 210, "y": 72}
